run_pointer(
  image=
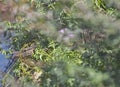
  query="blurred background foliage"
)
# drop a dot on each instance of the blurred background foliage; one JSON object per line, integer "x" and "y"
{"x": 63, "y": 43}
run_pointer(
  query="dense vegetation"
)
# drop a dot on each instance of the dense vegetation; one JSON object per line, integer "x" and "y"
{"x": 62, "y": 43}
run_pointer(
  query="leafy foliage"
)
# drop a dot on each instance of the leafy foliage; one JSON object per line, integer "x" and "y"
{"x": 75, "y": 43}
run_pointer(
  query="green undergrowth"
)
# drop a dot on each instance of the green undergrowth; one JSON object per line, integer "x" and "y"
{"x": 65, "y": 43}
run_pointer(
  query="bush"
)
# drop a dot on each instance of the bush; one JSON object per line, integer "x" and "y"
{"x": 76, "y": 42}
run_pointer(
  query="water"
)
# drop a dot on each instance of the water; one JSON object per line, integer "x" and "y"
{"x": 3, "y": 61}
